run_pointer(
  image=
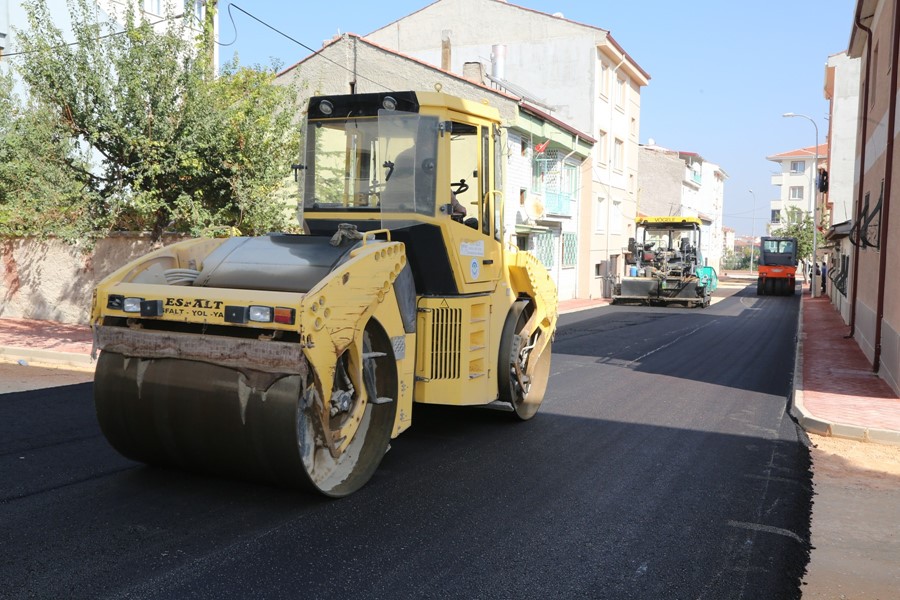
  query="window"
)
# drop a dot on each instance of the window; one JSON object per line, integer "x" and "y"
{"x": 198, "y": 6}
{"x": 798, "y": 166}
{"x": 602, "y": 152}
{"x": 615, "y": 217}
{"x": 153, "y": 7}
{"x": 569, "y": 249}
{"x": 620, "y": 92}
{"x": 543, "y": 248}
{"x": 604, "y": 80}
{"x": 776, "y": 216}
{"x": 570, "y": 181}
{"x": 796, "y": 192}
{"x": 633, "y": 128}
{"x": 618, "y": 159}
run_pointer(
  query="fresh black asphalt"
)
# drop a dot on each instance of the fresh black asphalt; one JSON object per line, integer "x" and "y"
{"x": 662, "y": 464}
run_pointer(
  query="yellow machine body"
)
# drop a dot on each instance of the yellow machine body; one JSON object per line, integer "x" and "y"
{"x": 296, "y": 358}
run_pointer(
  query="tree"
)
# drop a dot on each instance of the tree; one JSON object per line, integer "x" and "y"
{"x": 172, "y": 147}
{"x": 800, "y": 226}
{"x": 38, "y": 196}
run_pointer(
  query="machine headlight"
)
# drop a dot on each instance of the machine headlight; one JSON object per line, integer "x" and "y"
{"x": 132, "y": 305}
{"x": 261, "y": 314}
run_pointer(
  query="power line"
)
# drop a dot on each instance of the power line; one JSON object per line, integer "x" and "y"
{"x": 298, "y": 42}
{"x": 101, "y": 37}
{"x": 217, "y": 42}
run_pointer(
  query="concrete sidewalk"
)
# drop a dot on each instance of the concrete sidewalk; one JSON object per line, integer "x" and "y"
{"x": 835, "y": 391}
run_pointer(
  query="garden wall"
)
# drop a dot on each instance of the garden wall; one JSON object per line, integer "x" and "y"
{"x": 51, "y": 280}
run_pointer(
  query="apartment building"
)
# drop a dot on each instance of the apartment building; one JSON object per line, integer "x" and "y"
{"x": 4, "y": 27}
{"x": 161, "y": 12}
{"x": 165, "y": 12}
{"x": 547, "y": 171}
{"x": 575, "y": 72}
{"x": 874, "y": 288}
{"x": 842, "y": 91}
{"x": 673, "y": 183}
{"x": 796, "y": 179}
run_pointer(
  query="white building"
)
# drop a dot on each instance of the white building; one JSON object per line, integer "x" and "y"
{"x": 672, "y": 183}
{"x": 12, "y": 16}
{"x": 547, "y": 171}
{"x": 576, "y": 72}
{"x": 842, "y": 75}
{"x": 727, "y": 240}
{"x": 796, "y": 179}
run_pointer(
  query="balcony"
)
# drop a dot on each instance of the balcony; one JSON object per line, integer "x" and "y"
{"x": 556, "y": 203}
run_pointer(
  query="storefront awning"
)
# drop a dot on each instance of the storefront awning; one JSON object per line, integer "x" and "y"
{"x": 839, "y": 230}
{"x": 522, "y": 228}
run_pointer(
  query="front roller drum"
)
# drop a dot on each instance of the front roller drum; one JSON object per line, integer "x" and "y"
{"x": 213, "y": 419}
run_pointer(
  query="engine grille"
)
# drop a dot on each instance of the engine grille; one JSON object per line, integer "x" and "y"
{"x": 446, "y": 338}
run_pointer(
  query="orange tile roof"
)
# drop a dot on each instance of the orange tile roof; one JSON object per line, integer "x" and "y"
{"x": 802, "y": 153}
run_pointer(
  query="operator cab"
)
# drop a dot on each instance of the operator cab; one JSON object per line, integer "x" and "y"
{"x": 421, "y": 166}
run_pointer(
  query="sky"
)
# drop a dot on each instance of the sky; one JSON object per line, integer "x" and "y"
{"x": 723, "y": 72}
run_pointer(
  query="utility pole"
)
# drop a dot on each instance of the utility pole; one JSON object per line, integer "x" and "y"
{"x": 752, "y": 230}
{"x": 812, "y": 197}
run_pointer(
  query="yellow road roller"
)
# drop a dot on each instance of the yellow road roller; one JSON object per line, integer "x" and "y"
{"x": 295, "y": 359}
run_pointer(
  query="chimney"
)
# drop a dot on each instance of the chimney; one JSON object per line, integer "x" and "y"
{"x": 474, "y": 72}
{"x": 498, "y": 61}
{"x": 445, "y": 49}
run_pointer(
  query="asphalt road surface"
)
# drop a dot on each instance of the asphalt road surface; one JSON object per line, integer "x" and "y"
{"x": 661, "y": 465}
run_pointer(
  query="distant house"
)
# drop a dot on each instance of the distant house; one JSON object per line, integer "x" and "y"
{"x": 547, "y": 169}
{"x": 673, "y": 183}
{"x": 727, "y": 240}
{"x": 796, "y": 178}
{"x": 576, "y": 72}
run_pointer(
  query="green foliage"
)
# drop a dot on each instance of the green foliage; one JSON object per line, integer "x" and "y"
{"x": 38, "y": 197}
{"x": 800, "y": 226}
{"x": 736, "y": 261}
{"x": 172, "y": 147}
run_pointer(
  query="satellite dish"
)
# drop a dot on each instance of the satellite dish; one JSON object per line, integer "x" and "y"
{"x": 536, "y": 207}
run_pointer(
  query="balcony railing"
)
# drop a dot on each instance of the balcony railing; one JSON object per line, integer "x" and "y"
{"x": 556, "y": 203}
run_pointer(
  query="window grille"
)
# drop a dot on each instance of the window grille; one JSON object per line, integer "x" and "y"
{"x": 569, "y": 249}
{"x": 543, "y": 248}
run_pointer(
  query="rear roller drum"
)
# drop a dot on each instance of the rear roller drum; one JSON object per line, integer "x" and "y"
{"x": 523, "y": 374}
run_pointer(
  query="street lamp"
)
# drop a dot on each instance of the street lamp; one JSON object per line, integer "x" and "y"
{"x": 812, "y": 189}
{"x": 752, "y": 230}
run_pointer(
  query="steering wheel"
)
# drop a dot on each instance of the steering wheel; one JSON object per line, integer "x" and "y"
{"x": 458, "y": 187}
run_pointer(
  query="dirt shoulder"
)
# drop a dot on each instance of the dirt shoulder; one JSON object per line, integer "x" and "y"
{"x": 856, "y": 521}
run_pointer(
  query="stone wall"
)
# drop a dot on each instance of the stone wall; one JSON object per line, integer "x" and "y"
{"x": 51, "y": 280}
